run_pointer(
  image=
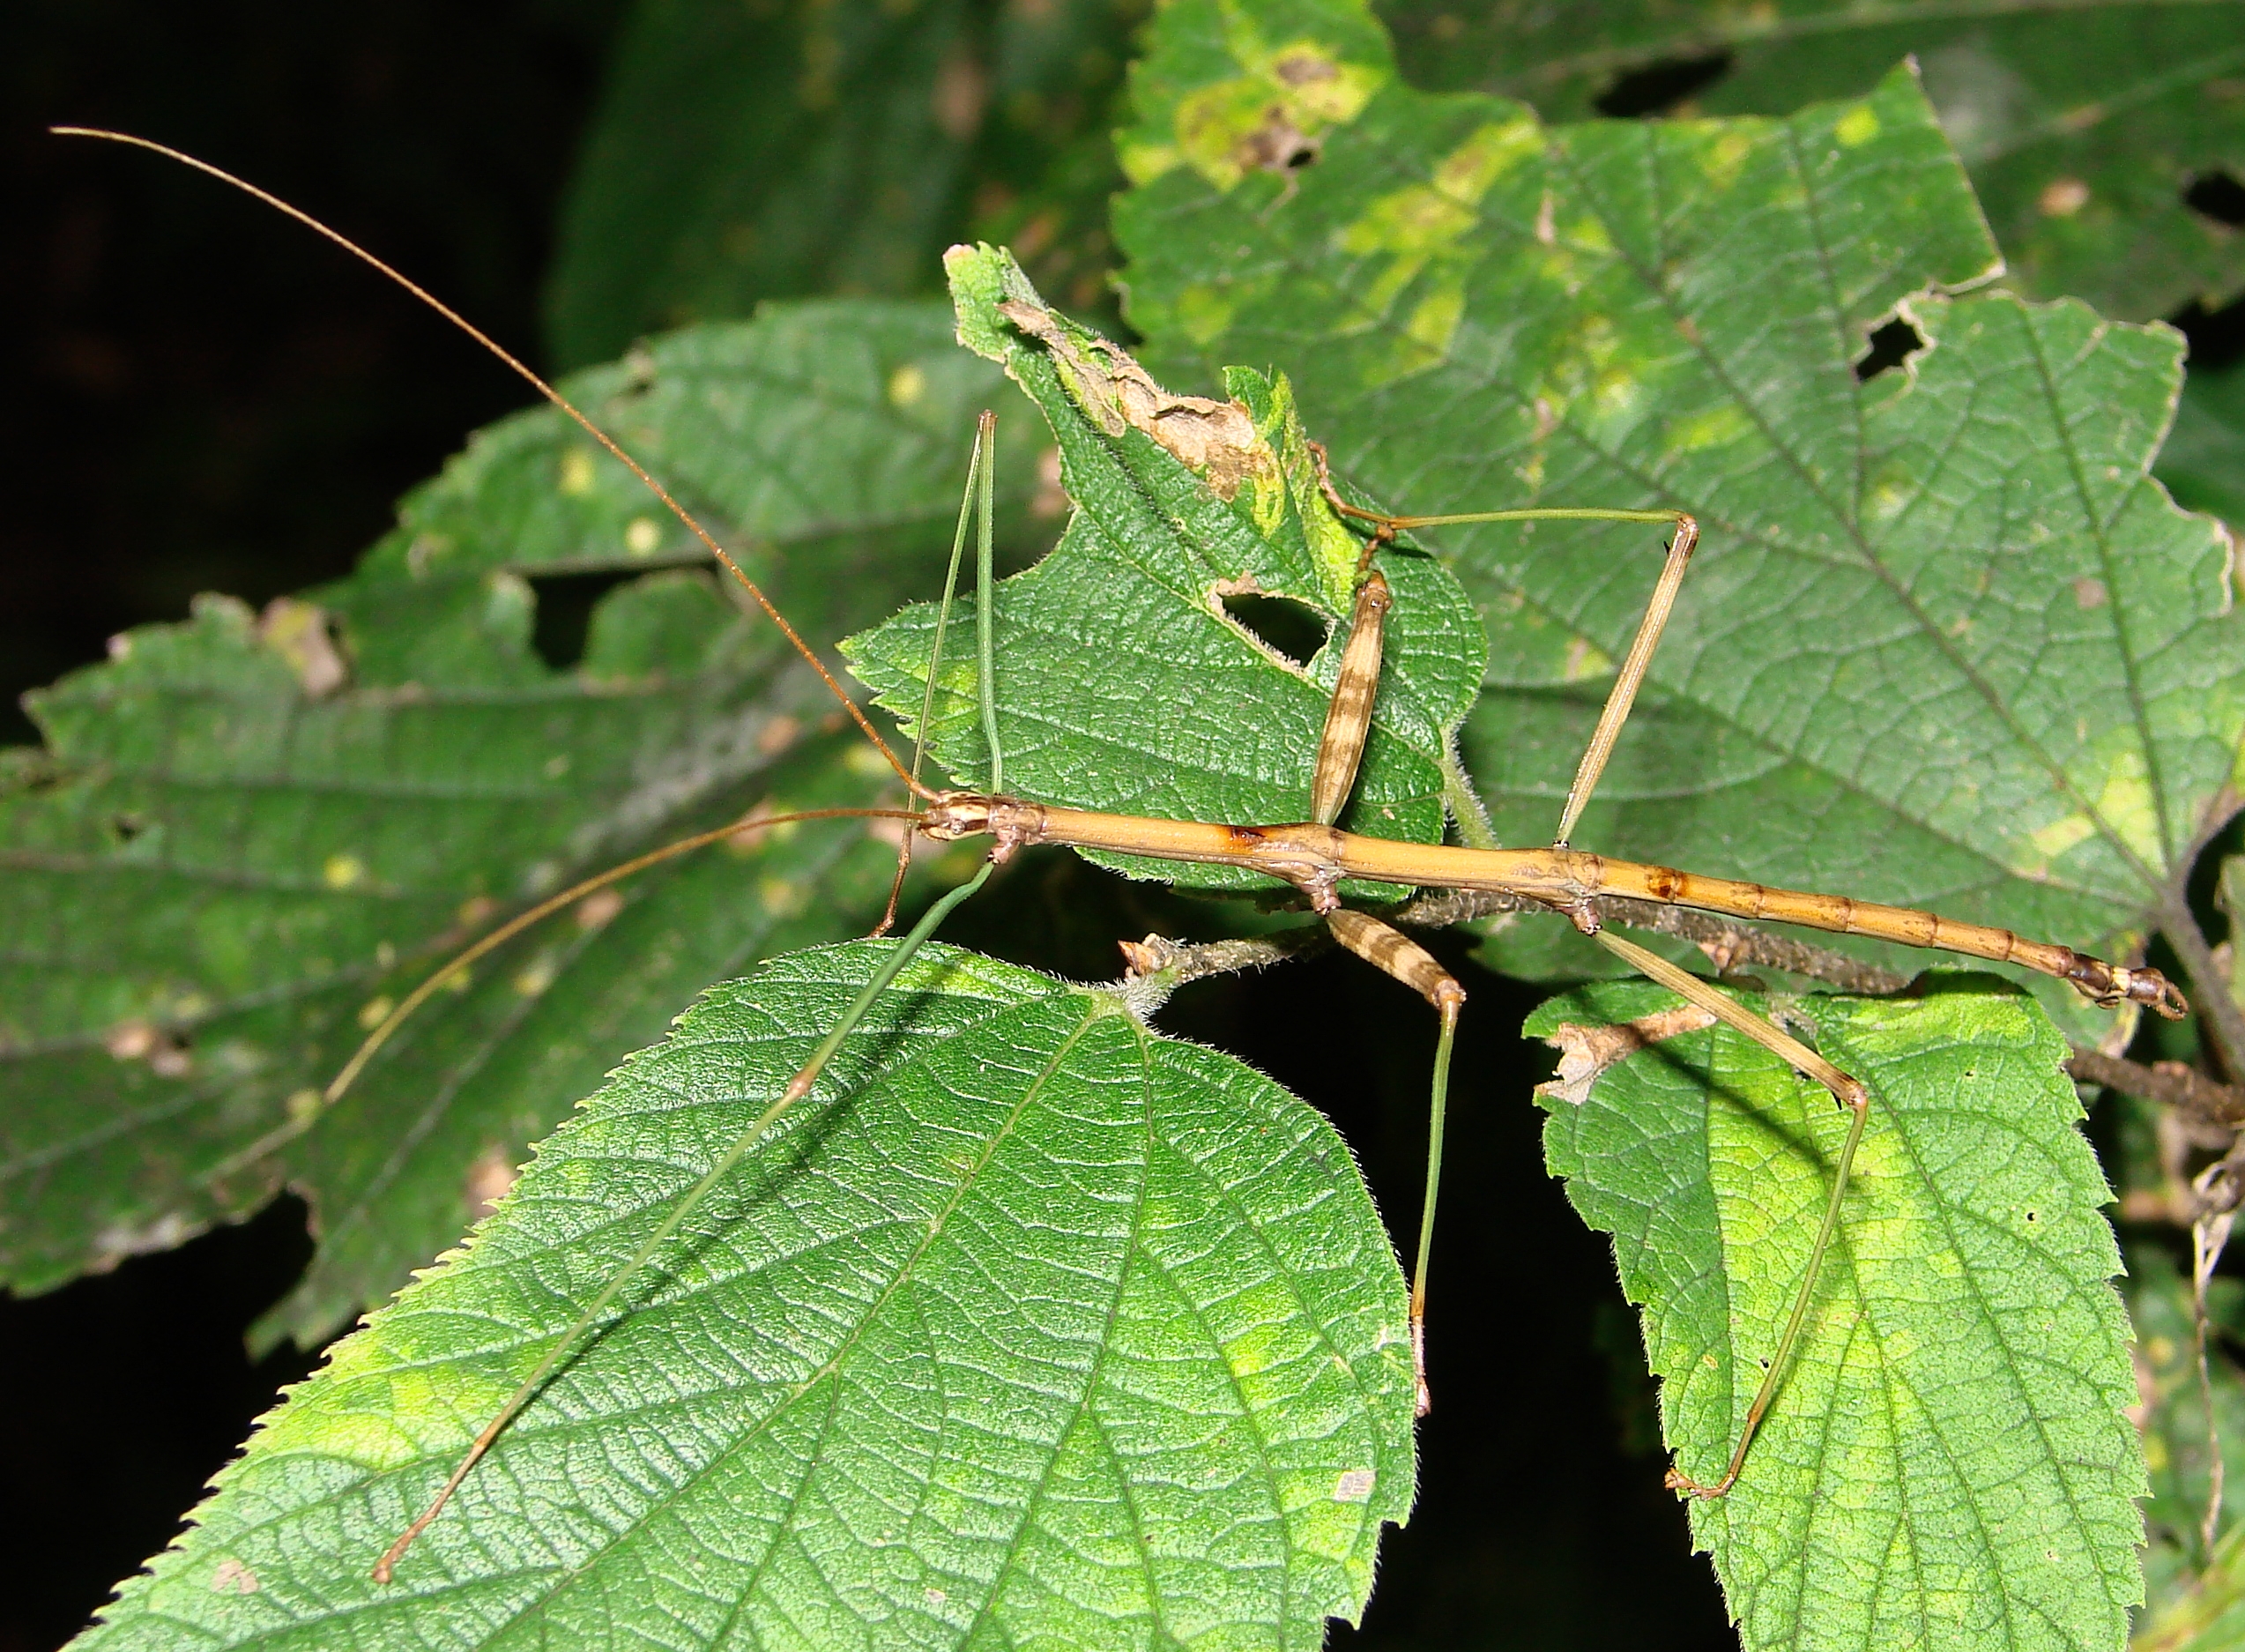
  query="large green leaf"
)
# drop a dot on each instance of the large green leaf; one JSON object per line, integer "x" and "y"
{"x": 745, "y": 152}
{"x": 1027, "y": 1328}
{"x": 1946, "y": 643}
{"x": 245, "y": 839}
{"x": 1948, "y": 1462}
{"x": 2084, "y": 124}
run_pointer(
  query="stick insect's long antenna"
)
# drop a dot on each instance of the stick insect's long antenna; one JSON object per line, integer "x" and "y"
{"x": 980, "y": 494}
{"x": 559, "y": 400}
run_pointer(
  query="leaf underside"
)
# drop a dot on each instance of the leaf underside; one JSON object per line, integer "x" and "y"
{"x": 246, "y": 837}
{"x": 1027, "y": 1328}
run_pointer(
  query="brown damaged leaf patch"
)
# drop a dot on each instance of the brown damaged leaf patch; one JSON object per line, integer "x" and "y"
{"x": 1585, "y": 1052}
{"x": 1216, "y": 439}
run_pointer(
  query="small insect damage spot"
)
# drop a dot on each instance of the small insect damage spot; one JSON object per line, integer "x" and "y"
{"x": 1290, "y": 630}
{"x": 233, "y": 1578}
{"x": 1277, "y": 145}
{"x": 1585, "y": 1052}
{"x": 1354, "y": 1486}
{"x": 561, "y": 624}
{"x": 1051, "y": 501}
{"x": 490, "y": 1179}
{"x": 1215, "y": 439}
{"x": 1890, "y": 345}
{"x": 165, "y": 1053}
{"x": 1660, "y": 88}
{"x": 302, "y": 633}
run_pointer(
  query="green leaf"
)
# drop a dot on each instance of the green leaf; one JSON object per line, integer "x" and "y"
{"x": 2203, "y": 461}
{"x": 1027, "y": 1328}
{"x": 1946, "y": 644}
{"x": 1948, "y": 1462}
{"x": 2083, "y": 124}
{"x": 248, "y": 836}
{"x": 1124, "y": 682}
{"x": 744, "y": 153}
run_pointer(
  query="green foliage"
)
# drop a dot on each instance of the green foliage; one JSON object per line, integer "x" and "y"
{"x": 788, "y": 147}
{"x": 1028, "y": 1327}
{"x": 1031, "y": 1326}
{"x": 1949, "y": 1463}
{"x": 246, "y": 837}
{"x": 1946, "y": 643}
{"x": 2083, "y": 124}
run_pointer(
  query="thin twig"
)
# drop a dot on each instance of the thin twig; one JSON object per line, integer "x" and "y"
{"x": 2170, "y": 1084}
{"x": 2221, "y": 1021}
{"x": 1729, "y": 946}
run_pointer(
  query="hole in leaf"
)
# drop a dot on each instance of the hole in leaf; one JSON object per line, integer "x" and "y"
{"x": 565, "y": 604}
{"x": 1278, "y": 145}
{"x": 1658, "y": 88}
{"x": 2217, "y": 195}
{"x": 1890, "y": 346}
{"x": 1290, "y": 628}
{"x": 2217, "y": 337}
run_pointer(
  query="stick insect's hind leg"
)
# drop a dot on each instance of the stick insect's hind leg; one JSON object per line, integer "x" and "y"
{"x": 1849, "y": 1092}
{"x": 1388, "y": 949}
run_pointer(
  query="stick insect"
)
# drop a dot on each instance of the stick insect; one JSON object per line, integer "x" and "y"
{"x": 1314, "y": 857}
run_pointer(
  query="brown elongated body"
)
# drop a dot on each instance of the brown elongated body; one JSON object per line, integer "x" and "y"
{"x": 1314, "y": 859}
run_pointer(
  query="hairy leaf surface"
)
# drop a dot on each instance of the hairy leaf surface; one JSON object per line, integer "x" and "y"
{"x": 247, "y": 836}
{"x": 1948, "y": 1462}
{"x": 1946, "y": 644}
{"x": 2085, "y": 125}
{"x": 1028, "y": 1327}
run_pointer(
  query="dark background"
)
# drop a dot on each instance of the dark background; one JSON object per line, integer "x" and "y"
{"x": 201, "y": 396}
